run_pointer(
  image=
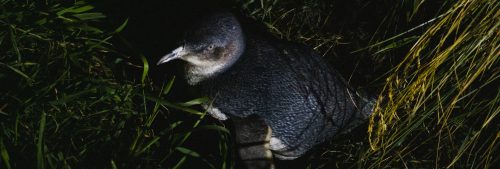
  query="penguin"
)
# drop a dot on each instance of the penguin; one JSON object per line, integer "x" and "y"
{"x": 282, "y": 97}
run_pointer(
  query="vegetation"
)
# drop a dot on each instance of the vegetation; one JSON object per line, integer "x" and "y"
{"x": 439, "y": 105}
{"x": 74, "y": 96}
{"x": 69, "y": 100}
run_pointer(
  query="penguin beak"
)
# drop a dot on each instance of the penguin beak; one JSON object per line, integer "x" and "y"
{"x": 177, "y": 53}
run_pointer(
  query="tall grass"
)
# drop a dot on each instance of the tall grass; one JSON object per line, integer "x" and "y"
{"x": 439, "y": 100}
{"x": 303, "y": 21}
{"x": 69, "y": 99}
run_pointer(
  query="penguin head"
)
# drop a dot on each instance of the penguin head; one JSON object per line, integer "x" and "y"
{"x": 211, "y": 46}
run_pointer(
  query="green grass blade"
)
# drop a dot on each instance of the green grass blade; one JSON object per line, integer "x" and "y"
{"x": 187, "y": 151}
{"x": 40, "y": 153}
{"x": 75, "y": 10}
{"x": 169, "y": 85}
{"x": 4, "y": 154}
{"x": 122, "y": 26}
{"x": 89, "y": 16}
{"x": 19, "y": 72}
{"x": 145, "y": 69}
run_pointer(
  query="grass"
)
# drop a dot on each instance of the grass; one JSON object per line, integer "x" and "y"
{"x": 438, "y": 102}
{"x": 65, "y": 103}
{"x": 440, "y": 89}
{"x": 72, "y": 98}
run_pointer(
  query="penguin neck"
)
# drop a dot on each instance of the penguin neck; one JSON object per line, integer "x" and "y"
{"x": 196, "y": 73}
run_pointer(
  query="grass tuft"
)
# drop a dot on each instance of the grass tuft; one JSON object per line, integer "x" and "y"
{"x": 439, "y": 99}
{"x": 70, "y": 99}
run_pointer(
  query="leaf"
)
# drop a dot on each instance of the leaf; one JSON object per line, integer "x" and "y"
{"x": 169, "y": 85}
{"x": 149, "y": 144}
{"x": 122, "y": 26}
{"x": 175, "y": 124}
{"x": 216, "y": 128}
{"x": 75, "y": 10}
{"x": 196, "y": 101}
{"x": 68, "y": 98}
{"x": 88, "y": 28}
{"x": 145, "y": 70}
{"x": 113, "y": 164}
{"x": 18, "y": 72}
{"x": 175, "y": 106}
{"x": 41, "y": 21}
{"x": 89, "y": 16}
{"x": 4, "y": 154}
{"x": 14, "y": 43}
{"x": 397, "y": 44}
{"x": 39, "y": 145}
{"x": 187, "y": 151}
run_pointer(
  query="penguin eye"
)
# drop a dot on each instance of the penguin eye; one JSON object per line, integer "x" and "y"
{"x": 210, "y": 47}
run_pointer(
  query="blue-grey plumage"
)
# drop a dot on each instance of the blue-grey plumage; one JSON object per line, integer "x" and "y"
{"x": 302, "y": 99}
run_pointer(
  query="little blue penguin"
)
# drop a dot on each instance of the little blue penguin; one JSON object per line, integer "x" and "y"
{"x": 277, "y": 92}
